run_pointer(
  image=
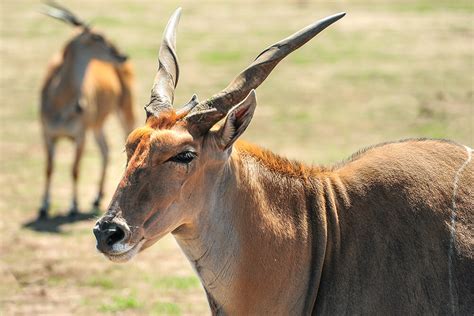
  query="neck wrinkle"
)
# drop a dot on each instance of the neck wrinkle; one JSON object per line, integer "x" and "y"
{"x": 332, "y": 195}
{"x": 212, "y": 244}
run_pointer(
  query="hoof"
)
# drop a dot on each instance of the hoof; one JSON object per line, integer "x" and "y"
{"x": 42, "y": 214}
{"x": 96, "y": 203}
{"x": 73, "y": 211}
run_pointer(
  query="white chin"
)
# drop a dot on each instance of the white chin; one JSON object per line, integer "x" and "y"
{"x": 127, "y": 255}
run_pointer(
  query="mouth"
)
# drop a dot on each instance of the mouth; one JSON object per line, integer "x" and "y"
{"x": 126, "y": 254}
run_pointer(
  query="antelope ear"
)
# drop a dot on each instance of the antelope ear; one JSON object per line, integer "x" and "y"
{"x": 237, "y": 120}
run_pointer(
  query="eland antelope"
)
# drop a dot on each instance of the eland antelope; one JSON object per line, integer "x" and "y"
{"x": 85, "y": 82}
{"x": 389, "y": 231}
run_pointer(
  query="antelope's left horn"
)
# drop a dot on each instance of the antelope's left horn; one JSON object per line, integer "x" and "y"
{"x": 166, "y": 79}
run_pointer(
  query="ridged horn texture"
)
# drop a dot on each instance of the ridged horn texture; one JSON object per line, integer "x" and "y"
{"x": 215, "y": 108}
{"x": 59, "y": 12}
{"x": 166, "y": 79}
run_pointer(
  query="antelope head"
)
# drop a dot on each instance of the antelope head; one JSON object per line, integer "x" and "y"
{"x": 88, "y": 42}
{"x": 174, "y": 161}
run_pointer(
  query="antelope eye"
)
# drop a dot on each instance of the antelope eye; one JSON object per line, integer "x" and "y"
{"x": 184, "y": 157}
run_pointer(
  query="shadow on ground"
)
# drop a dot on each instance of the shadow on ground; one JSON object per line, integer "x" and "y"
{"x": 53, "y": 224}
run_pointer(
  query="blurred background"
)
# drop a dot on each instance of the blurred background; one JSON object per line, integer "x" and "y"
{"x": 388, "y": 70}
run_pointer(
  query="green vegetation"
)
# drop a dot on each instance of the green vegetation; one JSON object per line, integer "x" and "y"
{"x": 102, "y": 282}
{"x": 427, "y": 6}
{"x": 120, "y": 303}
{"x": 177, "y": 283}
{"x": 106, "y": 21}
{"x": 163, "y": 308}
{"x": 220, "y": 57}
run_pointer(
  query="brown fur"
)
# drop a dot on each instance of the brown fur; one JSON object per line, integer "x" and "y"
{"x": 388, "y": 203}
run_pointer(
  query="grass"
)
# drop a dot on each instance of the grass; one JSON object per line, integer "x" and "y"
{"x": 102, "y": 282}
{"x": 178, "y": 283}
{"x": 106, "y": 21}
{"x": 389, "y": 70}
{"x": 142, "y": 52}
{"x": 120, "y": 303}
{"x": 165, "y": 308}
{"x": 374, "y": 76}
{"x": 220, "y": 57}
{"x": 430, "y": 6}
{"x": 430, "y": 128}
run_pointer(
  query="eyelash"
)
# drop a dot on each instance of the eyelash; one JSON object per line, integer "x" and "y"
{"x": 185, "y": 157}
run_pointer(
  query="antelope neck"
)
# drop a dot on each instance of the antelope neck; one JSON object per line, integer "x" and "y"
{"x": 234, "y": 243}
{"x": 70, "y": 77}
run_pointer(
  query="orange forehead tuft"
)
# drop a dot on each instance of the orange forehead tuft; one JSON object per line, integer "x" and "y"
{"x": 138, "y": 134}
{"x": 164, "y": 120}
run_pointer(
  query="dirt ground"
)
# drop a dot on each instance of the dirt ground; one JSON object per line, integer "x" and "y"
{"x": 387, "y": 71}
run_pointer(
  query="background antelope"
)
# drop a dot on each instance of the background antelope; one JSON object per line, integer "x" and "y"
{"x": 85, "y": 82}
{"x": 385, "y": 231}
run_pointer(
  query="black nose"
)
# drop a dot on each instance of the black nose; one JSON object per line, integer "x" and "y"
{"x": 107, "y": 234}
